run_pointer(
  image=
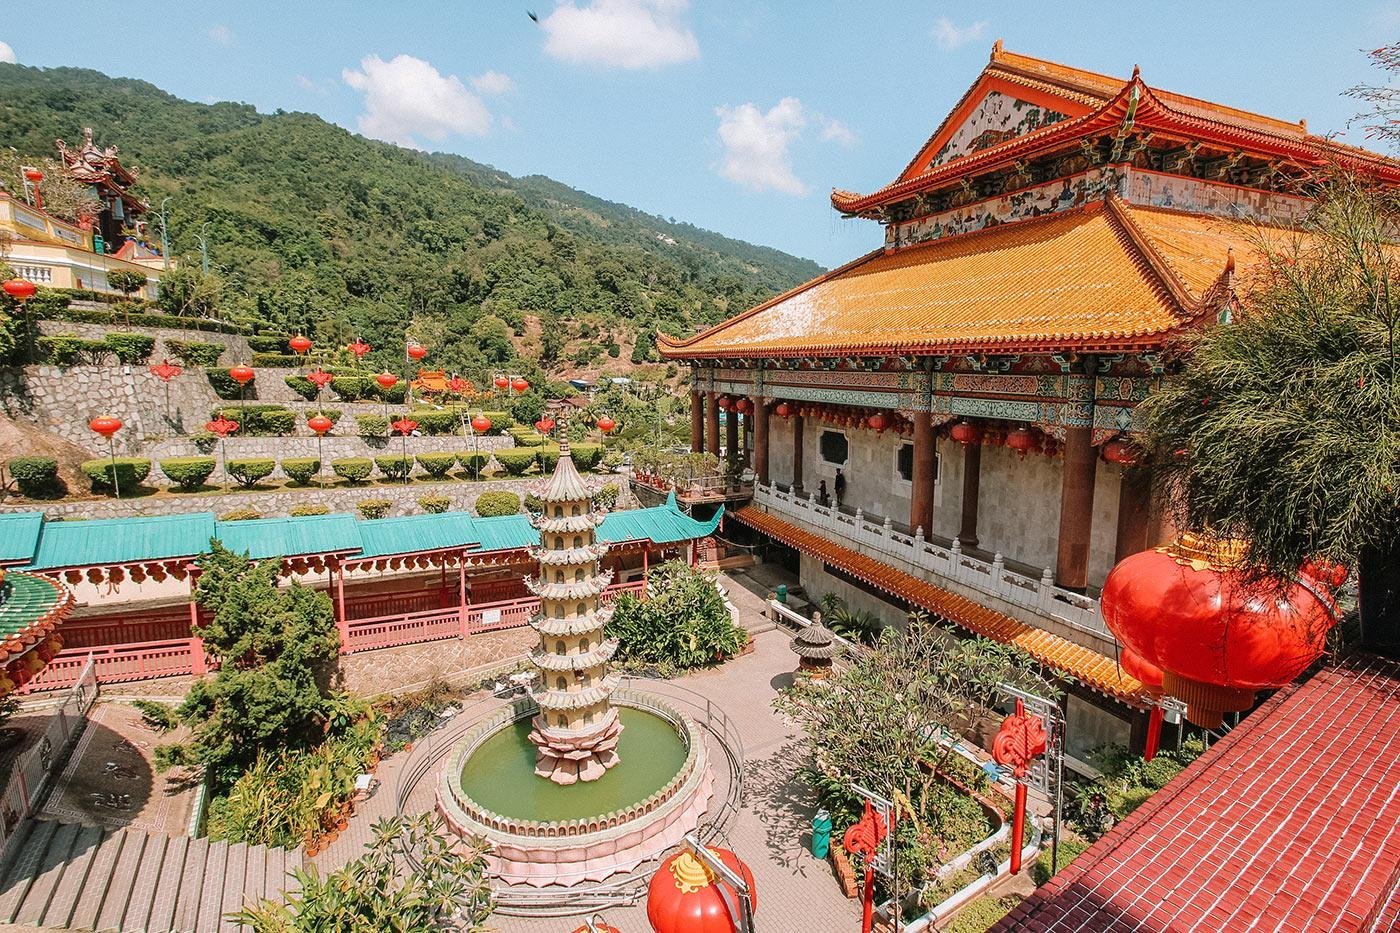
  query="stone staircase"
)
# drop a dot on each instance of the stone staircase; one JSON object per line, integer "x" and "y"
{"x": 70, "y": 876}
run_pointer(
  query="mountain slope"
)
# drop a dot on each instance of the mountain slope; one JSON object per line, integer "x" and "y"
{"x": 316, "y": 229}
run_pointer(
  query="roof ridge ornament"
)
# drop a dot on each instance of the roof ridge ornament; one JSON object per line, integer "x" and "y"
{"x": 997, "y": 48}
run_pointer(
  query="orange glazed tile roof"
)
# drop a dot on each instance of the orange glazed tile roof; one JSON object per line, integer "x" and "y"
{"x": 1107, "y": 276}
{"x": 1084, "y": 665}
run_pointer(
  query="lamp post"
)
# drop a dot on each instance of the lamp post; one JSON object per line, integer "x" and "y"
{"x": 387, "y": 381}
{"x": 480, "y": 425}
{"x": 164, "y": 236}
{"x": 403, "y": 427}
{"x": 221, "y": 428}
{"x": 203, "y": 238}
{"x": 242, "y": 375}
{"x": 320, "y": 424}
{"x": 32, "y": 177}
{"x": 108, "y": 426}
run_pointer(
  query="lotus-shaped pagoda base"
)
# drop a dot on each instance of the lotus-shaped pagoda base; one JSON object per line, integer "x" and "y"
{"x": 570, "y": 756}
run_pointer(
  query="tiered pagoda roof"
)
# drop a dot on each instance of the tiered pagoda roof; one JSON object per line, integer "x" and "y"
{"x": 102, "y": 169}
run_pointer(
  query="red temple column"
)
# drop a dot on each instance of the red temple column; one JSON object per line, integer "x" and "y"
{"x": 731, "y": 436}
{"x": 760, "y": 439}
{"x": 921, "y": 496}
{"x": 198, "y": 663}
{"x": 712, "y": 424}
{"x": 697, "y": 421}
{"x": 461, "y": 590}
{"x": 1134, "y": 508}
{"x": 796, "y": 451}
{"x": 1076, "y": 509}
{"x": 341, "y": 623}
{"x": 972, "y": 485}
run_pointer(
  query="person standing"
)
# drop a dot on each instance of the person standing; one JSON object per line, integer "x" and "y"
{"x": 840, "y": 487}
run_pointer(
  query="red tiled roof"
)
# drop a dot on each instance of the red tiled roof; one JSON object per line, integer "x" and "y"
{"x": 1088, "y": 667}
{"x": 1291, "y": 822}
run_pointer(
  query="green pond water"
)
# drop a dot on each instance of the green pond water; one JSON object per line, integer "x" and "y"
{"x": 500, "y": 775}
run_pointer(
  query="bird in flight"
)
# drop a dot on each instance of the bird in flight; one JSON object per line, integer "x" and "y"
{"x": 533, "y": 16}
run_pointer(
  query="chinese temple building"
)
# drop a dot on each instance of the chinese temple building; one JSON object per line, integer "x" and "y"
{"x": 102, "y": 171}
{"x": 945, "y": 423}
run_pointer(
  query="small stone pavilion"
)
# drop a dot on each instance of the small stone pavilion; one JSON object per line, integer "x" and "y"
{"x": 577, "y": 728}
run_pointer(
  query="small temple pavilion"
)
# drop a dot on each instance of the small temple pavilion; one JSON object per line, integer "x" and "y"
{"x": 947, "y": 423}
{"x": 101, "y": 170}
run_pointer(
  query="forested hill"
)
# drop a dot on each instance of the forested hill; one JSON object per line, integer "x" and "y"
{"x": 317, "y": 229}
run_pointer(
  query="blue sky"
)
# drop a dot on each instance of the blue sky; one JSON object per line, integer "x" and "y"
{"x": 736, "y": 116}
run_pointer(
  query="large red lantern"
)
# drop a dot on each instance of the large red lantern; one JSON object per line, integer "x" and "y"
{"x": 416, "y": 352}
{"x": 1021, "y": 440}
{"x": 20, "y": 290}
{"x": 33, "y": 175}
{"x": 320, "y": 424}
{"x": 1120, "y": 451}
{"x": 404, "y": 426}
{"x": 519, "y": 384}
{"x": 165, "y": 370}
{"x": 481, "y": 424}
{"x": 501, "y": 381}
{"x": 966, "y": 433}
{"x": 222, "y": 427}
{"x": 606, "y": 424}
{"x": 241, "y": 374}
{"x": 783, "y": 410}
{"x": 743, "y": 406}
{"x": 878, "y": 422}
{"x": 725, "y": 403}
{"x": 1217, "y": 634}
{"x": 685, "y": 896}
{"x": 299, "y": 344}
{"x": 359, "y": 348}
{"x": 106, "y": 425}
{"x": 386, "y": 380}
{"x": 319, "y": 378}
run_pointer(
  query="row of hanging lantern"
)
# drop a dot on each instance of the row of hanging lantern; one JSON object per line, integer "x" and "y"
{"x": 1020, "y": 438}
{"x": 878, "y": 420}
{"x": 159, "y": 571}
{"x": 517, "y": 384}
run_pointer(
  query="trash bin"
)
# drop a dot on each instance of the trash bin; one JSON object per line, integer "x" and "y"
{"x": 782, "y": 592}
{"x": 821, "y": 834}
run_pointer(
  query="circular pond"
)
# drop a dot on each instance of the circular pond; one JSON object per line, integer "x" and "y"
{"x": 499, "y": 776}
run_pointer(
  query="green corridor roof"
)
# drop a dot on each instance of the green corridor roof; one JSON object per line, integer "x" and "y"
{"x": 25, "y": 539}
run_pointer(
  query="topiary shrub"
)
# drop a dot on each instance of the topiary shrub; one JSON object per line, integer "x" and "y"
{"x": 516, "y": 460}
{"x": 248, "y": 470}
{"x": 128, "y": 471}
{"x": 396, "y": 467}
{"x": 374, "y": 508}
{"x": 278, "y": 423}
{"x": 492, "y": 504}
{"x": 436, "y": 465}
{"x": 194, "y": 352}
{"x": 188, "y": 473}
{"x": 606, "y": 497}
{"x": 258, "y": 419}
{"x": 331, "y": 413}
{"x": 268, "y": 343}
{"x": 131, "y": 349}
{"x": 299, "y": 511}
{"x": 354, "y": 469}
{"x": 37, "y": 476}
{"x": 547, "y": 457}
{"x": 240, "y": 515}
{"x": 224, "y": 386}
{"x": 300, "y": 470}
{"x": 435, "y": 504}
{"x": 474, "y": 461}
{"x": 204, "y": 441}
{"x": 350, "y": 388}
{"x": 586, "y": 456}
{"x": 436, "y": 423}
{"x": 67, "y": 349}
{"x": 372, "y": 425}
{"x": 301, "y": 386}
{"x": 525, "y": 436}
{"x": 394, "y": 395}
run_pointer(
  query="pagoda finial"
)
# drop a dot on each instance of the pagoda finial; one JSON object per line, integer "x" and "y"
{"x": 1303, "y": 123}
{"x": 1137, "y": 73}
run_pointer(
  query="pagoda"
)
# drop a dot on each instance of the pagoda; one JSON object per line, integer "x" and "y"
{"x": 102, "y": 170}
{"x": 576, "y": 730}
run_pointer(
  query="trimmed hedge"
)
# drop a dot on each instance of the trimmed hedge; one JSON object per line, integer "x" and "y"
{"x": 195, "y": 352}
{"x": 65, "y": 349}
{"x": 516, "y": 460}
{"x": 268, "y": 343}
{"x": 374, "y": 508}
{"x": 394, "y": 395}
{"x": 350, "y": 388}
{"x": 204, "y": 441}
{"x": 473, "y": 461}
{"x": 301, "y": 386}
{"x": 224, "y": 386}
{"x": 436, "y": 465}
{"x": 248, "y": 470}
{"x": 130, "y": 349}
{"x": 586, "y": 456}
{"x": 37, "y": 476}
{"x": 354, "y": 469}
{"x": 491, "y": 504}
{"x": 548, "y": 458}
{"x": 526, "y": 436}
{"x": 276, "y": 360}
{"x": 259, "y": 420}
{"x": 435, "y": 505}
{"x": 240, "y": 515}
{"x": 606, "y": 497}
{"x": 129, "y": 472}
{"x": 297, "y": 511}
{"x": 144, "y": 319}
{"x": 372, "y": 425}
{"x": 395, "y": 466}
{"x": 187, "y": 472}
{"x": 300, "y": 470}
{"x": 331, "y": 413}
{"x": 437, "y": 423}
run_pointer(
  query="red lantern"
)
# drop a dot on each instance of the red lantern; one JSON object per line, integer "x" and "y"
{"x": 242, "y": 374}
{"x": 724, "y": 403}
{"x": 33, "y": 175}
{"x": 519, "y": 384}
{"x": 416, "y": 351}
{"x": 165, "y": 370}
{"x": 1328, "y": 573}
{"x": 359, "y": 348}
{"x": 966, "y": 433}
{"x": 20, "y": 290}
{"x": 1120, "y": 451}
{"x": 606, "y": 424}
{"x": 685, "y": 896}
{"x": 501, "y": 381}
{"x": 320, "y": 424}
{"x": 481, "y": 424}
{"x": 386, "y": 380}
{"x": 743, "y": 406}
{"x": 222, "y": 427}
{"x": 1142, "y": 670}
{"x": 106, "y": 425}
{"x": 879, "y": 422}
{"x": 544, "y": 425}
{"x": 458, "y": 386}
{"x": 1021, "y": 440}
{"x": 299, "y": 344}
{"x": 783, "y": 410}
{"x": 1218, "y": 636}
{"x": 319, "y": 378}
{"x": 405, "y": 426}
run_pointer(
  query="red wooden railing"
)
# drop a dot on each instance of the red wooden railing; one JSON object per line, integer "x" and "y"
{"x": 116, "y": 629}
{"x": 174, "y": 656}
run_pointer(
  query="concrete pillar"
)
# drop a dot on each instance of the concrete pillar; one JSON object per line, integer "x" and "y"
{"x": 796, "y": 451}
{"x": 697, "y": 421}
{"x": 921, "y": 496}
{"x": 972, "y": 482}
{"x": 712, "y": 424}
{"x": 1134, "y": 506}
{"x": 1076, "y": 509}
{"x": 760, "y": 439}
{"x": 731, "y": 436}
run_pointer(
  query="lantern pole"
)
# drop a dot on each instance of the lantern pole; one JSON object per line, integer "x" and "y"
{"x": 730, "y": 876}
{"x": 320, "y": 461}
{"x": 112, "y": 447}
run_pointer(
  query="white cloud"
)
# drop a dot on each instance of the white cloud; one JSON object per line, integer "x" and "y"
{"x": 221, "y": 34}
{"x": 950, "y": 36}
{"x": 836, "y": 131}
{"x": 407, "y": 98}
{"x": 756, "y": 145}
{"x": 7, "y": 54}
{"x": 492, "y": 83}
{"x": 620, "y": 33}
